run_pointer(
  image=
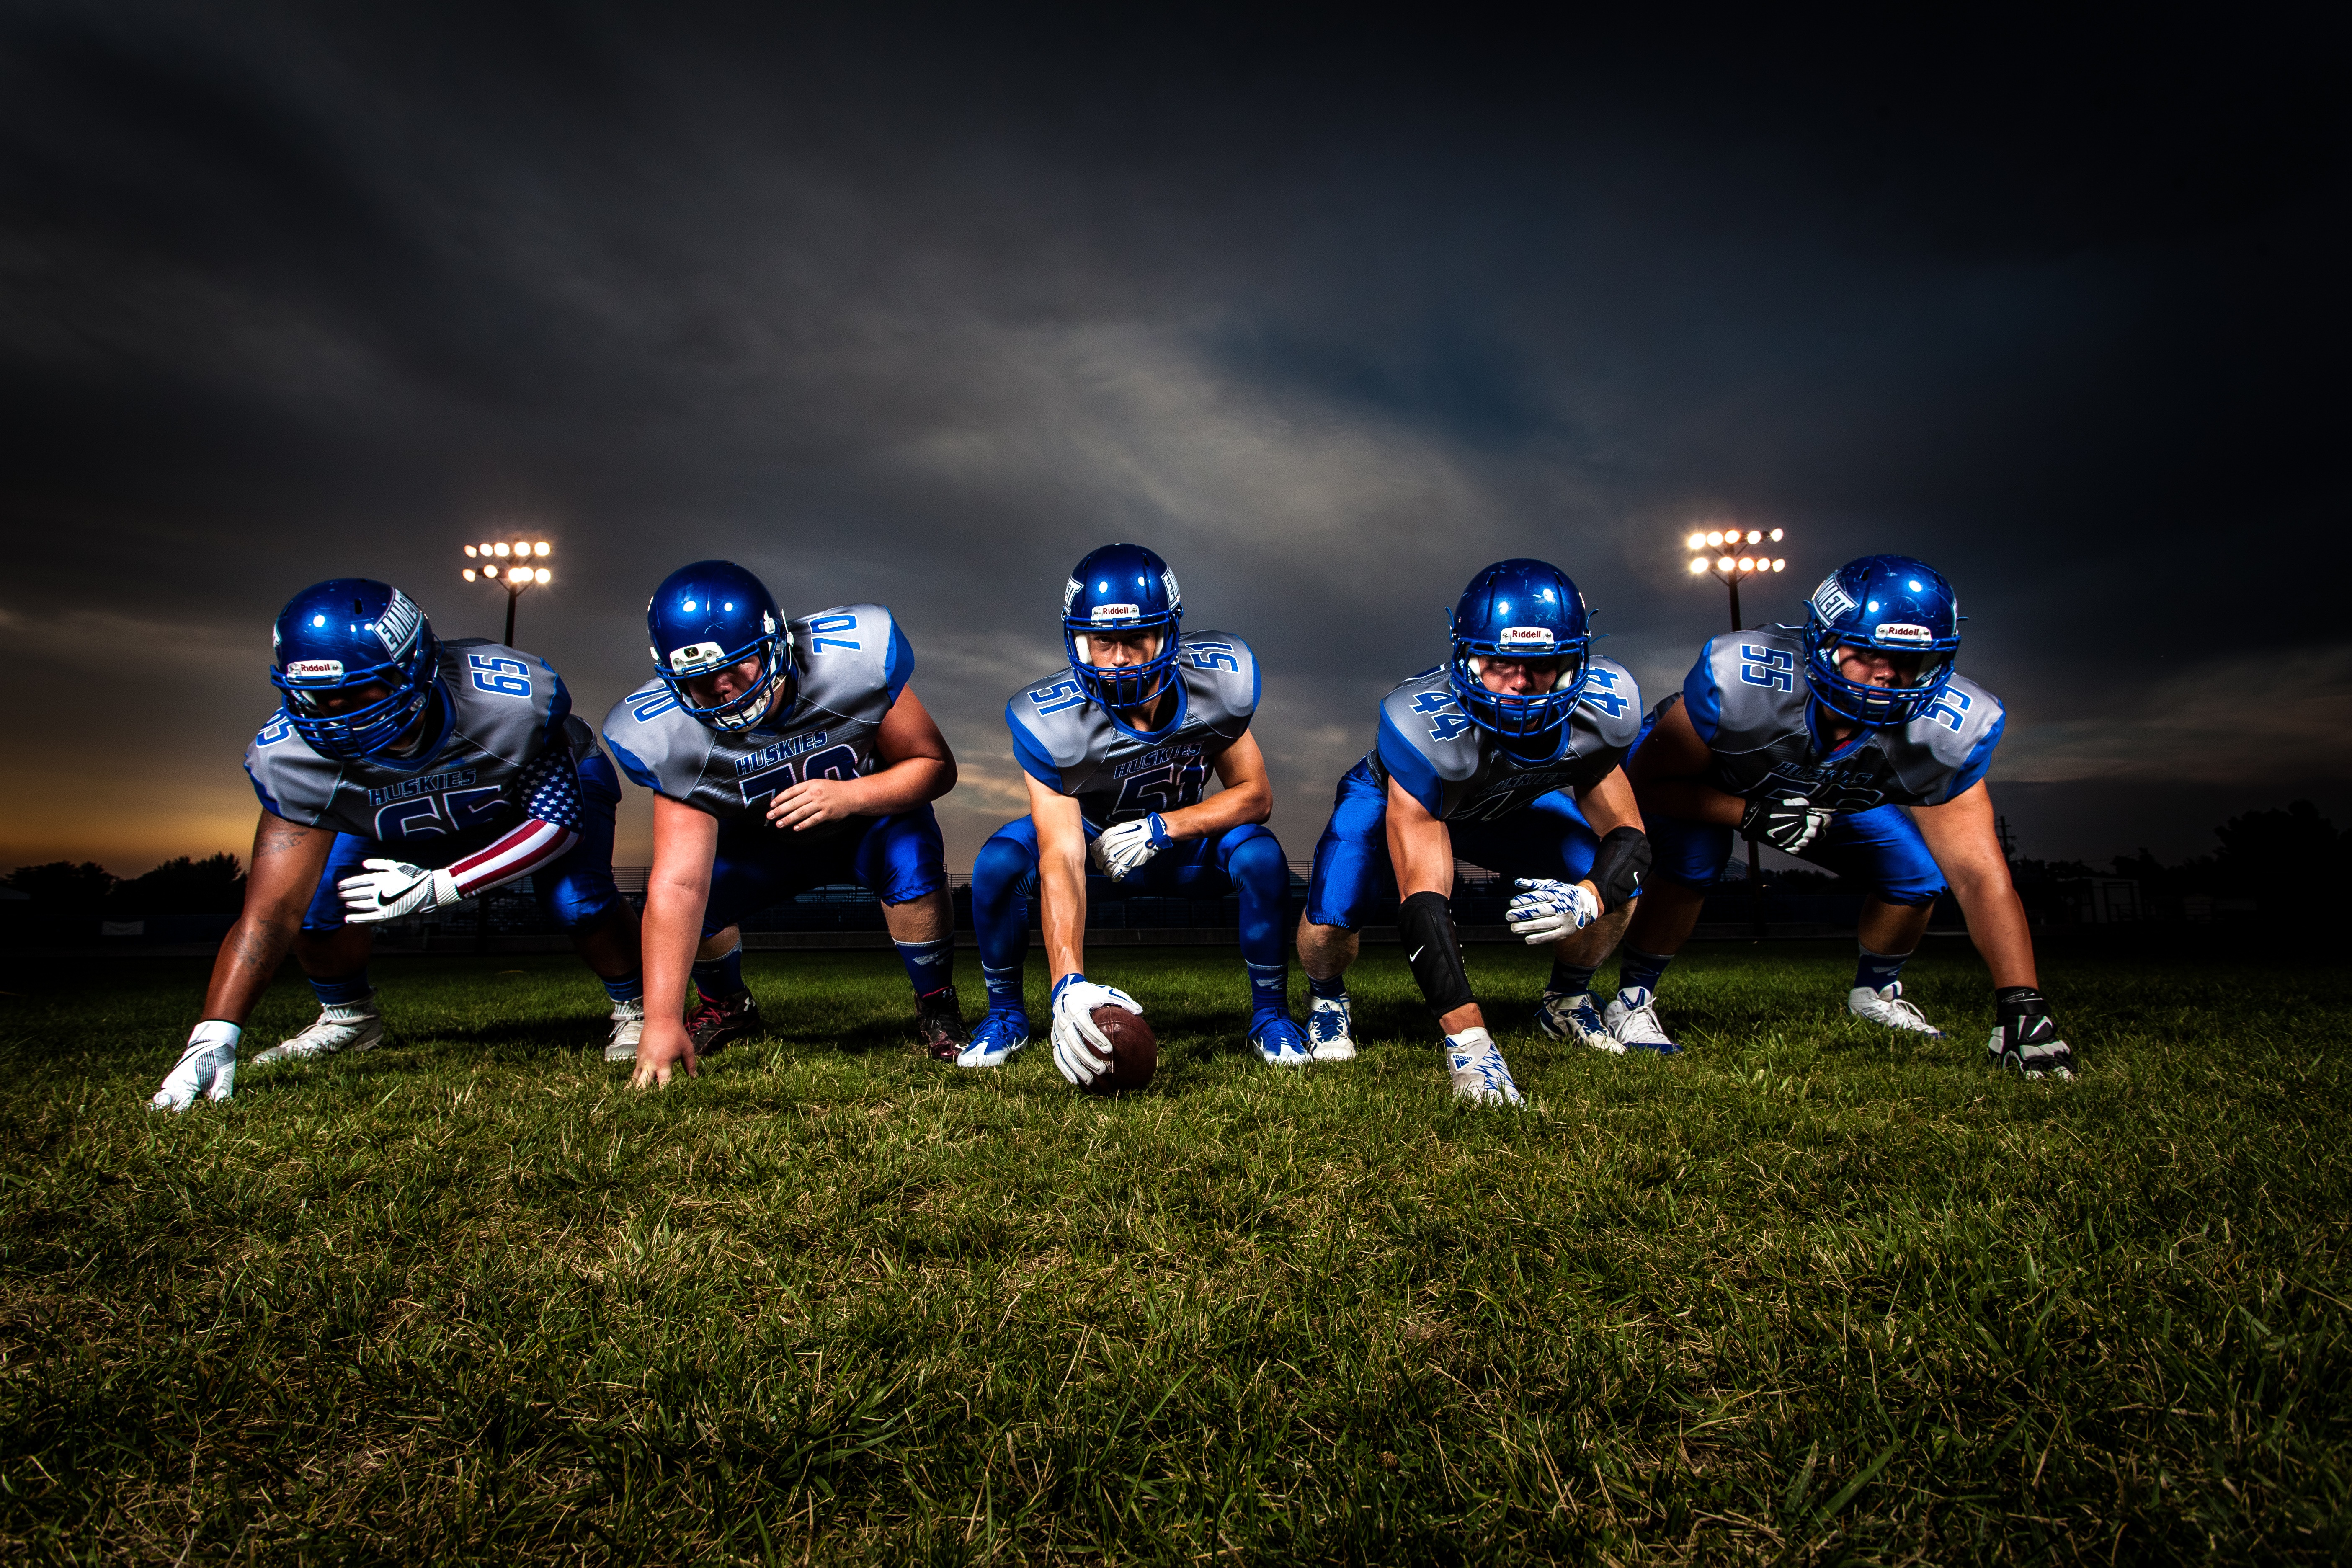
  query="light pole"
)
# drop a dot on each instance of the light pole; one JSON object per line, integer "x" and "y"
{"x": 1730, "y": 555}
{"x": 506, "y": 566}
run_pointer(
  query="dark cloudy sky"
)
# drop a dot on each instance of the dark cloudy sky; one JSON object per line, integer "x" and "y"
{"x": 920, "y": 311}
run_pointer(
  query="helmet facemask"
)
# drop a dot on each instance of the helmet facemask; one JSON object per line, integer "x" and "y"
{"x": 686, "y": 666}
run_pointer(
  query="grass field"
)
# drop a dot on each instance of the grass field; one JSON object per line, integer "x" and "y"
{"x": 1807, "y": 1293}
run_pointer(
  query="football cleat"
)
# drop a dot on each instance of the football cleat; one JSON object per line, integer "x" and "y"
{"x": 715, "y": 1026}
{"x": 1477, "y": 1070}
{"x": 1329, "y": 1032}
{"x": 1003, "y": 1032}
{"x": 2032, "y": 1049}
{"x": 629, "y": 1024}
{"x": 1279, "y": 1041}
{"x": 1632, "y": 1019}
{"x": 1885, "y": 1005}
{"x": 939, "y": 1025}
{"x": 340, "y": 1027}
{"x": 1570, "y": 1016}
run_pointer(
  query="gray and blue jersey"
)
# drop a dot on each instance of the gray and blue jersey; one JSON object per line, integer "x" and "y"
{"x": 1461, "y": 772}
{"x": 507, "y": 749}
{"x": 1075, "y": 746}
{"x": 854, "y": 662}
{"x": 1749, "y": 699}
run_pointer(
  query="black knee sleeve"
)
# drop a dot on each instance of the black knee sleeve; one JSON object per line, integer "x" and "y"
{"x": 1617, "y": 869}
{"x": 1426, "y": 927}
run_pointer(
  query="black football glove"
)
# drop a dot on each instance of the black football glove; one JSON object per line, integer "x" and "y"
{"x": 2024, "y": 1038}
{"x": 1788, "y": 824}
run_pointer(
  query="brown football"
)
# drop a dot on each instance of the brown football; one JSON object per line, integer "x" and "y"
{"x": 1134, "y": 1052}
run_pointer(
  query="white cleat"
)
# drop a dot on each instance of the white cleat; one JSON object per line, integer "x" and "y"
{"x": 340, "y": 1027}
{"x": 628, "y": 1028}
{"x": 1477, "y": 1070}
{"x": 1632, "y": 1018}
{"x": 1328, "y": 1029}
{"x": 1570, "y": 1016}
{"x": 1885, "y": 1005}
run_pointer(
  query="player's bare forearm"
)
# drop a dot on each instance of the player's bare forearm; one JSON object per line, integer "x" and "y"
{"x": 1420, "y": 846}
{"x": 1609, "y": 804}
{"x": 284, "y": 874}
{"x": 677, "y": 894}
{"x": 1665, "y": 772}
{"x": 1960, "y": 834}
{"x": 1061, "y": 879}
{"x": 1247, "y": 796}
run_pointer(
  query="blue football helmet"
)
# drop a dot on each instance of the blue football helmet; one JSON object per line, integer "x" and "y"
{"x": 340, "y": 637}
{"x": 1122, "y": 588}
{"x": 712, "y": 614}
{"x": 1894, "y": 604}
{"x": 1521, "y": 609}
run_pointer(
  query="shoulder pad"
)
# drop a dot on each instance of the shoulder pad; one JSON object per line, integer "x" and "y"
{"x": 656, "y": 742}
{"x": 506, "y": 701}
{"x": 1221, "y": 679}
{"x": 291, "y": 779}
{"x": 848, "y": 656}
{"x": 1612, "y": 704}
{"x": 1055, "y": 720}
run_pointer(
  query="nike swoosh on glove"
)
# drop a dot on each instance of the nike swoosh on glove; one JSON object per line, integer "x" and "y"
{"x": 1550, "y": 910}
{"x": 1081, "y": 1050}
{"x": 1788, "y": 824}
{"x": 1120, "y": 850}
{"x": 388, "y": 889}
{"x": 207, "y": 1066}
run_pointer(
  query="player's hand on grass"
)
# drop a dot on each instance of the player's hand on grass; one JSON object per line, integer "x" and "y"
{"x": 387, "y": 889}
{"x": 662, "y": 1049}
{"x": 1787, "y": 824}
{"x": 1081, "y": 1050}
{"x": 207, "y": 1066}
{"x": 1121, "y": 850}
{"x": 1549, "y": 909}
{"x": 813, "y": 803}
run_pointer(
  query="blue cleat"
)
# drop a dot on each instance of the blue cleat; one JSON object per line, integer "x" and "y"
{"x": 1329, "y": 1030}
{"x": 1003, "y": 1032}
{"x": 1279, "y": 1041}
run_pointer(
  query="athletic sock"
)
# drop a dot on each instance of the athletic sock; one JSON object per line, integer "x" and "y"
{"x": 1570, "y": 978}
{"x": 1639, "y": 970}
{"x": 341, "y": 990}
{"x": 1877, "y": 971}
{"x": 1004, "y": 989}
{"x": 930, "y": 965}
{"x": 720, "y": 977}
{"x": 1332, "y": 990}
{"x": 1269, "y": 988}
{"x": 629, "y": 987}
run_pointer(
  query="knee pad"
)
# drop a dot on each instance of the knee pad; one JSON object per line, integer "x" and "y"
{"x": 1003, "y": 865}
{"x": 1617, "y": 869}
{"x": 1257, "y": 862}
{"x": 1425, "y": 925}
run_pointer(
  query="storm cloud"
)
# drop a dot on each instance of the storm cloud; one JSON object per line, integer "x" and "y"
{"x": 918, "y": 311}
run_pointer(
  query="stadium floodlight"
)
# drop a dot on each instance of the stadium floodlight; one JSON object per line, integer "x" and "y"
{"x": 513, "y": 578}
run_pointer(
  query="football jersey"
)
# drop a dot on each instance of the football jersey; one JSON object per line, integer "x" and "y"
{"x": 1072, "y": 744}
{"x": 507, "y": 749}
{"x": 1749, "y": 699}
{"x": 1459, "y": 770}
{"x": 852, "y": 660}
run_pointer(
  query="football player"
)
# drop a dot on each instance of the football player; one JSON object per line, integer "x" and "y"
{"x": 1117, "y": 748}
{"x": 401, "y": 774}
{"x": 1509, "y": 754}
{"x": 782, "y": 756}
{"x": 1851, "y": 744}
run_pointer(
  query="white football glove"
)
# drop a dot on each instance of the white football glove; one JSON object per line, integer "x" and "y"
{"x": 388, "y": 889}
{"x": 206, "y": 1066}
{"x": 1549, "y": 910}
{"x": 1080, "y": 1049}
{"x": 1117, "y": 851}
{"x": 1788, "y": 824}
